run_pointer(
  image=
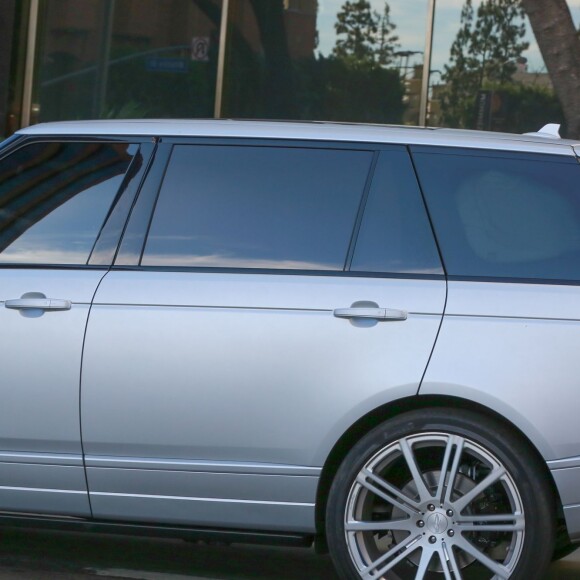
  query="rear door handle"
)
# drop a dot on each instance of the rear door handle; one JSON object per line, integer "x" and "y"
{"x": 38, "y": 304}
{"x": 371, "y": 313}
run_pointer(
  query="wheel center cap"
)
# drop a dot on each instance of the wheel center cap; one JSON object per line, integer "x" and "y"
{"x": 437, "y": 523}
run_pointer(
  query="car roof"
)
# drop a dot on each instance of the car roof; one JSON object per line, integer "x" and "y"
{"x": 312, "y": 130}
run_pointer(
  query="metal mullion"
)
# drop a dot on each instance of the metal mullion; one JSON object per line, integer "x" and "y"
{"x": 30, "y": 63}
{"x": 221, "y": 59}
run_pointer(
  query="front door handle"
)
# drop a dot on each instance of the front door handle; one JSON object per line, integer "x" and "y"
{"x": 38, "y": 304}
{"x": 371, "y": 313}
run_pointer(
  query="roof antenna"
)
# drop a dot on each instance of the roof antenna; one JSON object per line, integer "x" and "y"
{"x": 550, "y": 131}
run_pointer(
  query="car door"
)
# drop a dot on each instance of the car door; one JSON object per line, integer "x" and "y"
{"x": 226, "y": 357}
{"x": 508, "y": 223}
{"x": 56, "y": 198}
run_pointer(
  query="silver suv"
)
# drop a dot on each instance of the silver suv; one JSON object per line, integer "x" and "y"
{"x": 362, "y": 336}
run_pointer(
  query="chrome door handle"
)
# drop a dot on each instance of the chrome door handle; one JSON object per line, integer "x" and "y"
{"x": 372, "y": 313}
{"x": 38, "y": 304}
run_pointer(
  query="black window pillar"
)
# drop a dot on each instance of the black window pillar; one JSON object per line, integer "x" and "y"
{"x": 7, "y": 26}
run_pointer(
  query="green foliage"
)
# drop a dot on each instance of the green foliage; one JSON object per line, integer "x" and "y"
{"x": 527, "y": 108}
{"x": 484, "y": 53}
{"x": 364, "y": 36}
{"x": 350, "y": 85}
{"x": 332, "y": 89}
{"x": 353, "y": 84}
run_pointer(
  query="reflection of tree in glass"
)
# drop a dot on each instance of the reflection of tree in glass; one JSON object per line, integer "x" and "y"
{"x": 364, "y": 35}
{"x": 560, "y": 45}
{"x": 354, "y": 83}
{"x": 483, "y": 55}
{"x": 276, "y": 80}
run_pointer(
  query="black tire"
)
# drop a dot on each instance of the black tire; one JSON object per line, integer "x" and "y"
{"x": 391, "y": 515}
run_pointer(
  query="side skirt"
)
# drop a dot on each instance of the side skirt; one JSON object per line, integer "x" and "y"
{"x": 69, "y": 524}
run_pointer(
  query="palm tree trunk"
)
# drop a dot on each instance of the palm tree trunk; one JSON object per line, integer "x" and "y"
{"x": 560, "y": 47}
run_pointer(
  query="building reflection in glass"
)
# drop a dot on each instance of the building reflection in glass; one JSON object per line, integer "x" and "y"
{"x": 487, "y": 71}
{"x": 127, "y": 58}
{"x": 341, "y": 60}
{"x": 327, "y": 59}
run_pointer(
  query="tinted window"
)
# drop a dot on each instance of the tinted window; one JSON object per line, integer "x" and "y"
{"x": 395, "y": 234}
{"x": 54, "y": 198}
{"x": 504, "y": 215}
{"x": 257, "y": 207}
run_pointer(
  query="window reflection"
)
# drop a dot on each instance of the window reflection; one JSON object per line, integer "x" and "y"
{"x": 54, "y": 198}
{"x": 342, "y": 60}
{"x": 501, "y": 216}
{"x": 283, "y": 208}
{"x": 328, "y": 59}
{"x": 127, "y": 59}
{"x": 487, "y": 71}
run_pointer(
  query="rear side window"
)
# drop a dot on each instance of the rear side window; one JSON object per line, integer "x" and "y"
{"x": 504, "y": 215}
{"x": 257, "y": 207}
{"x": 54, "y": 198}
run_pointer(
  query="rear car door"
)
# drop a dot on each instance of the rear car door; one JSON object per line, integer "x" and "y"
{"x": 231, "y": 347}
{"x": 508, "y": 224}
{"x": 62, "y": 203}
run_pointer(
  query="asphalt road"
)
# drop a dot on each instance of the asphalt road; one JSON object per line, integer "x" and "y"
{"x": 32, "y": 555}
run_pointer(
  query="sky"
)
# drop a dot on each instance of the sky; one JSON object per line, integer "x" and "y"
{"x": 410, "y": 17}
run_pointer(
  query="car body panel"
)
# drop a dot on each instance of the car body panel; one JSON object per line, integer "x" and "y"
{"x": 566, "y": 474}
{"x": 533, "y": 330}
{"x": 41, "y": 467}
{"x": 215, "y": 398}
{"x": 566, "y": 479}
{"x": 572, "y": 515}
{"x": 314, "y": 131}
{"x": 244, "y": 368}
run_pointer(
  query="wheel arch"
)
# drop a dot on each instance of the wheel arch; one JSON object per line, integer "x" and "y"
{"x": 394, "y": 408}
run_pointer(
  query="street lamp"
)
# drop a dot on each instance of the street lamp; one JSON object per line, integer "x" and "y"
{"x": 427, "y": 62}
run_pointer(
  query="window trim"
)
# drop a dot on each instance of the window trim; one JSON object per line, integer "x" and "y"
{"x": 278, "y": 272}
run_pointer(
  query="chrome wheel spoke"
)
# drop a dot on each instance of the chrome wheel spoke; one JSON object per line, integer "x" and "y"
{"x": 491, "y": 523}
{"x": 492, "y": 565}
{"x": 443, "y": 557}
{"x": 444, "y": 466}
{"x": 418, "y": 480}
{"x": 426, "y": 557}
{"x": 396, "y": 498}
{"x": 400, "y": 552}
{"x": 403, "y": 525}
{"x": 454, "y": 469}
{"x": 465, "y": 500}
{"x": 455, "y": 569}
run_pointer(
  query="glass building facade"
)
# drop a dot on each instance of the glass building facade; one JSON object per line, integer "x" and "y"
{"x": 419, "y": 62}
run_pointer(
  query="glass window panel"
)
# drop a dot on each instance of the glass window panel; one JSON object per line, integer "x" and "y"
{"x": 257, "y": 207}
{"x": 127, "y": 59}
{"x": 479, "y": 79}
{"x": 504, "y": 216}
{"x": 304, "y": 59}
{"x": 13, "y": 40}
{"x": 54, "y": 198}
{"x": 395, "y": 234}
